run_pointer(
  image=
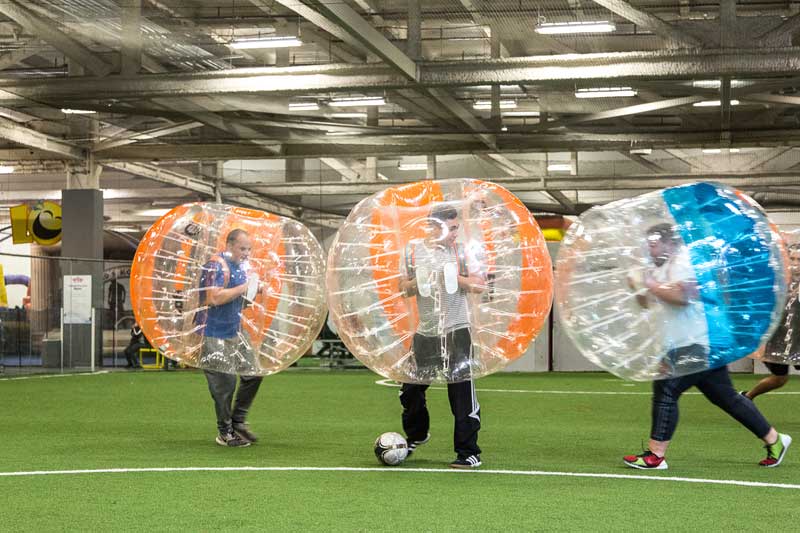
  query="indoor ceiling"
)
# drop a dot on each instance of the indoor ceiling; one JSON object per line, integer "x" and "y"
{"x": 181, "y": 106}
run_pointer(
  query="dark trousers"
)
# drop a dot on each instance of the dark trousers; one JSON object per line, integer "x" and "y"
{"x": 222, "y": 387}
{"x": 715, "y": 385}
{"x": 132, "y": 352}
{"x": 463, "y": 400}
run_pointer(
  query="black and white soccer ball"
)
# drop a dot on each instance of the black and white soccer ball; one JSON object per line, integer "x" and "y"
{"x": 391, "y": 448}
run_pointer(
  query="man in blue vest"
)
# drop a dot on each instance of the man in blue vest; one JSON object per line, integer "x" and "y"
{"x": 225, "y": 284}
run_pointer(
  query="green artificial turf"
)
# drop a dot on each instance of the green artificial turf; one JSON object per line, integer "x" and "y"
{"x": 330, "y": 419}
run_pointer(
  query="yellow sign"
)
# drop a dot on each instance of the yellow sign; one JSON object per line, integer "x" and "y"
{"x": 3, "y": 293}
{"x": 40, "y": 224}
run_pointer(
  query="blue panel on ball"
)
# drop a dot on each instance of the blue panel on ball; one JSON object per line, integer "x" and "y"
{"x": 733, "y": 265}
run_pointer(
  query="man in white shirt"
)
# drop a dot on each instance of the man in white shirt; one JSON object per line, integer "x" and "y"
{"x": 672, "y": 284}
{"x": 438, "y": 275}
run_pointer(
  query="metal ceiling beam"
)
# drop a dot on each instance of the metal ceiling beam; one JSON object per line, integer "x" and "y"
{"x": 20, "y": 54}
{"x": 546, "y": 184}
{"x": 347, "y": 18}
{"x": 46, "y": 31}
{"x": 345, "y": 77}
{"x": 311, "y": 15}
{"x": 650, "y": 22}
{"x": 241, "y": 195}
{"x": 783, "y": 32}
{"x": 389, "y": 146}
{"x": 131, "y": 49}
{"x": 347, "y": 173}
{"x": 642, "y": 161}
{"x": 154, "y": 133}
{"x": 33, "y": 139}
{"x": 562, "y": 199}
{"x": 622, "y": 112}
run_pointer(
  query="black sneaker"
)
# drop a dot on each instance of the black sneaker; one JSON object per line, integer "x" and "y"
{"x": 412, "y": 444}
{"x": 243, "y": 430}
{"x": 473, "y": 461}
{"x": 231, "y": 440}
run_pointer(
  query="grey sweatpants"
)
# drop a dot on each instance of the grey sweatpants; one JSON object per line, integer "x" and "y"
{"x": 222, "y": 387}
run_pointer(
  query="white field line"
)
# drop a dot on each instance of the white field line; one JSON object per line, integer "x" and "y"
{"x": 48, "y": 376}
{"x": 392, "y": 383}
{"x": 401, "y": 470}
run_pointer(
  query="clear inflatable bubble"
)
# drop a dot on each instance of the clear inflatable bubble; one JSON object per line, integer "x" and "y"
{"x": 672, "y": 282}
{"x": 229, "y": 289}
{"x": 439, "y": 281}
{"x": 784, "y": 345}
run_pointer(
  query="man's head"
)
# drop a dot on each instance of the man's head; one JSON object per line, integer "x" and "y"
{"x": 237, "y": 245}
{"x": 661, "y": 242}
{"x": 444, "y": 224}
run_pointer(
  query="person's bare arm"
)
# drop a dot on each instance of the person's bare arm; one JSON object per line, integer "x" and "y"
{"x": 472, "y": 283}
{"x": 219, "y": 296}
{"x": 676, "y": 293}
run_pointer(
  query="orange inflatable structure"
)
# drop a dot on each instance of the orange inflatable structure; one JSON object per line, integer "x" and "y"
{"x": 276, "y": 323}
{"x": 499, "y": 288}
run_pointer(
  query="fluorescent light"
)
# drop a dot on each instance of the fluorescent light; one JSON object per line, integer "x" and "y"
{"x": 303, "y": 106}
{"x": 605, "y": 92}
{"x": 126, "y": 229}
{"x": 559, "y": 167}
{"x": 487, "y": 104}
{"x": 68, "y": 111}
{"x": 641, "y": 151}
{"x": 719, "y": 150}
{"x": 412, "y": 166}
{"x": 555, "y": 28}
{"x": 357, "y": 101}
{"x": 339, "y": 133}
{"x": 348, "y": 115}
{"x": 152, "y": 212}
{"x": 266, "y": 42}
{"x": 504, "y": 128}
{"x": 6, "y": 169}
{"x": 521, "y": 114}
{"x": 716, "y": 84}
{"x": 712, "y": 103}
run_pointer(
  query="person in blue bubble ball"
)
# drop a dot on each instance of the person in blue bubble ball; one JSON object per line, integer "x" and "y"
{"x": 670, "y": 282}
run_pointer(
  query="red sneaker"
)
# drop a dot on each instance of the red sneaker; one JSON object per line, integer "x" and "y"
{"x": 646, "y": 461}
{"x": 776, "y": 452}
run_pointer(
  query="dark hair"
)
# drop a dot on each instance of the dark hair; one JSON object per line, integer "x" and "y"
{"x": 664, "y": 232}
{"x": 443, "y": 212}
{"x": 233, "y": 235}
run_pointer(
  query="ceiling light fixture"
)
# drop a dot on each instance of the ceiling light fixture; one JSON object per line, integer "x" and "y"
{"x": 712, "y": 103}
{"x": 521, "y": 114}
{"x": 487, "y": 104}
{"x": 357, "y": 101}
{"x": 68, "y": 111}
{"x": 641, "y": 151}
{"x": 605, "y": 92}
{"x": 266, "y": 42}
{"x": 555, "y": 28}
{"x": 152, "y": 212}
{"x": 559, "y": 167}
{"x": 334, "y": 133}
{"x": 348, "y": 115}
{"x": 303, "y": 106}
{"x": 412, "y": 166}
{"x": 6, "y": 169}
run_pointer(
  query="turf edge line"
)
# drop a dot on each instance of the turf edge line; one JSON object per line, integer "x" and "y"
{"x": 735, "y": 482}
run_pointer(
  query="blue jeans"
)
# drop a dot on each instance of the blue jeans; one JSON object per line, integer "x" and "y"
{"x": 715, "y": 384}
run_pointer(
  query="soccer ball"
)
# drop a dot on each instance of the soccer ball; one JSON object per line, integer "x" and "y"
{"x": 391, "y": 449}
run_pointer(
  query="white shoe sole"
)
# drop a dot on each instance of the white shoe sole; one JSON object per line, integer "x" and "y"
{"x": 662, "y": 466}
{"x": 786, "y": 440}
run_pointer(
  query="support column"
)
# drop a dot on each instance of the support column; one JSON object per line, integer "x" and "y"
{"x": 431, "y": 172}
{"x": 82, "y": 236}
{"x": 371, "y": 164}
